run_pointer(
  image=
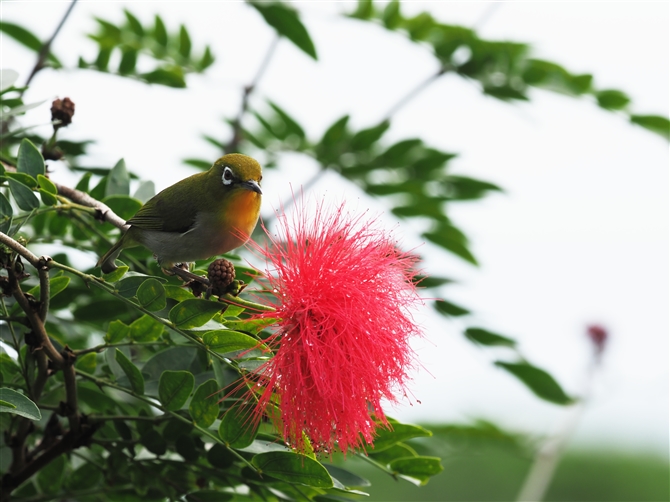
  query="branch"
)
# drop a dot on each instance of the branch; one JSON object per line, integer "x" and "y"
{"x": 104, "y": 211}
{"x": 46, "y": 48}
{"x": 416, "y": 91}
{"x": 234, "y": 143}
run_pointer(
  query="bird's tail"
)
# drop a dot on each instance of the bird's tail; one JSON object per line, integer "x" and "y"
{"x": 106, "y": 263}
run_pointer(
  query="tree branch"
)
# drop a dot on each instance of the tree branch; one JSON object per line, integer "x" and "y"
{"x": 234, "y": 143}
{"x": 104, "y": 211}
{"x": 46, "y": 48}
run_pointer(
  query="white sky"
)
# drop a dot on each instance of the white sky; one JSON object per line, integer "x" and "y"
{"x": 580, "y": 236}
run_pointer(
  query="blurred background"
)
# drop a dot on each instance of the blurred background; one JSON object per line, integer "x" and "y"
{"x": 579, "y": 234}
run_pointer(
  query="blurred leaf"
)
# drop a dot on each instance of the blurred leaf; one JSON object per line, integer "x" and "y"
{"x": 386, "y": 456}
{"x": 419, "y": 468}
{"x": 391, "y": 16}
{"x": 118, "y": 181}
{"x": 85, "y": 477}
{"x": 655, "y": 123}
{"x": 24, "y": 178}
{"x": 292, "y": 127}
{"x": 365, "y": 138}
{"x": 345, "y": 477}
{"x": 128, "y": 61}
{"x": 50, "y": 477}
{"x": 207, "y": 59}
{"x": 432, "y": 282}
{"x": 145, "y": 191}
{"x": 87, "y": 362}
{"x": 18, "y": 404}
{"x": 204, "y": 407}
{"x": 286, "y": 22}
{"x": 223, "y": 341}
{"x": 174, "y": 388}
{"x": 364, "y": 10}
{"x": 463, "y": 188}
{"x": 193, "y": 313}
{"x": 128, "y": 286}
{"x": 208, "y": 496}
{"x": 293, "y": 468}
{"x": 173, "y": 359}
{"x": 398, "y": 433}
{"x": 184, "y": 42}
{"x": 123, "y": 205}
{"x": 238, "y": 427}
{"x": 451, "y": 239}
{"x": 153, "y": 442}
{"x": 116, "y": 275}
{"x": 132, "y": 372}
{"x": 26, "y": 38}
{"x": 450, "y": 309}
{"x": 134, "y": 24}
{"x": 611, "y": 99}
{"x": 30, "y": 159}
{"x": 24, "y": 196}
{"x": 5, "y": 206}
{"x": 484, "y": 337}
{"x": 151, "y": 295}
{"x": 541, "y": 383}
{"x": 170, "y": 77}
{"x": 160, "y": 33}
{"x": 200, "y": 164}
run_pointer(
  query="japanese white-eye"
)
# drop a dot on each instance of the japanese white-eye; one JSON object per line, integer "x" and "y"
{"x": 204, "y": 215}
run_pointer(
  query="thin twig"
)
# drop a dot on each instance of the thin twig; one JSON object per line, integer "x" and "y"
{"x": 104, "y": 211}
{"x": 46, "y": 48}
{"x": 234, "y": 143}
{"x": 416, "y": 91}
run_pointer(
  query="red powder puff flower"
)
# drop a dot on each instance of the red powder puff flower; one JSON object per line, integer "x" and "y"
{"x": 343, "y": 296}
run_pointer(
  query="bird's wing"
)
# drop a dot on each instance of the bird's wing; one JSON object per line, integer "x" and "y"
{"x": 152, "y": 215}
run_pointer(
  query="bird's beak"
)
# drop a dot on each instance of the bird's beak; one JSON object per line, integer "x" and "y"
{"x": 252, "y": 185}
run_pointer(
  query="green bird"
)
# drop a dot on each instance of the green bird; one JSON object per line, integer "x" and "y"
{"x": 204, "y": 215}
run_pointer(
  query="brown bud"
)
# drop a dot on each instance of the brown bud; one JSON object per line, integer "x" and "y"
{"x": 598, "y": 336}
{"x": 221, "y": 274}
{"x": 63, "y": 110}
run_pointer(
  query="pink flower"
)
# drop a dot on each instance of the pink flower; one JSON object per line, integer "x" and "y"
{"x": 343, "y": 297}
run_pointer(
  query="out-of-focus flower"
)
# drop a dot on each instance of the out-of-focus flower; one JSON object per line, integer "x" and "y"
{"x": 598, "y": 336}
{"x": 344, "y": 296}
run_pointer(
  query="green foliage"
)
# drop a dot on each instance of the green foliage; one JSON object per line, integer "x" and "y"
{"x": 18, "y": 404}
{"x": 287, "y": 24}
{"x": 171, "y": 54}
{"x": 537, "y": 380}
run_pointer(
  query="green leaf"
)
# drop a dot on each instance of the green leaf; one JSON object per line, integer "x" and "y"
{"x": 204, "y": 407}
{"x": 24, "y": 196}
{"x": 177, "y": 293}
{"x": 87, "y": 362}
{"x": 238, "y": 427}
{"x": 134, "y": 24}
{"x": 160, "y": 33}
{"x": 132, "y": 372}
{"x": 541, "y": 383}
{"x": 364, "y": 139}
{"x": 170, "y": 77}
{"x": 611, "y": 99}
{"x": 5, "y": 206}
{"x": 24, "y": 178}
{"x": 655, "y": 123}
{"x": 287, "y": 23}
{"x": 46, "y": 184}
{"x": 26, "y": 38}
{"x": 200, "y": 164}
{"x": 118, "y": 180}
{"x": 116, "y": 275}
{"x": 151, "y": 295}
{"x": 85, "y": 477}
{"x": 484, "y": 337}
{"x": 174, "y": 387}
{"x": 128, "y": 286}
{"x": 206, "y": 60}
{"x": 449, "y": 309}
{"x": 250, "y": 325}
{"x": 463, "y": 188}
{"x": 293, "y": 468}
{"x": 208, "y": 496}
{"x": 451, "y": 239}
{"x": 193, "y": 313}
{"x": 128, "y": 61}
{"x": 117, "y": 331}
{"x": 364, "y": 10}
{"x": 48, "y": 199}
{"x": 184, "y": 42}
{"x": 50, "y": 477}
{"x": 391, "y": 16}
{"x": 399, "y": 432}
{"x": 292, "y": 127}
{"x": 145, "y": 329}
{"x": 418, "y": 468}
{"x": 153, "y": 442}
{"x": 18, "y": 404}
{"x": 145, "y": 191}
{"x": 223, "y": 341}
{"x": 173, "y": 359}
{"x": 345, "y": 477}
{"x": 83, "y": 183}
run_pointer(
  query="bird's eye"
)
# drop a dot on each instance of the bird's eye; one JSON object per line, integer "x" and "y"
{"x": 227, "y": 176}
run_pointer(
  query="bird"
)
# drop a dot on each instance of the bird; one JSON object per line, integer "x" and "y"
{"x": 204, "y": 215}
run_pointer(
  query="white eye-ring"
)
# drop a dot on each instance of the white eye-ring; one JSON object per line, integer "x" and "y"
{"x": 227, "y": 176}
